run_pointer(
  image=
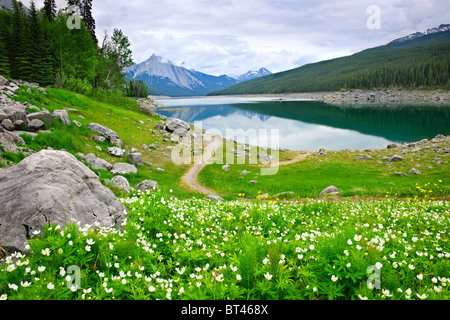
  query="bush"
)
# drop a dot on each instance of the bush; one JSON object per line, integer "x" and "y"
{"x": 79, "y": 86}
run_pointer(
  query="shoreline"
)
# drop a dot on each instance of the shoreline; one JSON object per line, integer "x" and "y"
{"x": 355, "y": 96}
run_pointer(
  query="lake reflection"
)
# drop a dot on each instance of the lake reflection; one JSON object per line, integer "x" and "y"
{"x": 311, "y": 125}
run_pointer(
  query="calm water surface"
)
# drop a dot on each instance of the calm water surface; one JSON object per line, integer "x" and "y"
{"x": 311, "y": 125}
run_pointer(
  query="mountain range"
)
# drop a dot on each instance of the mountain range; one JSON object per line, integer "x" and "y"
{"x": 419, "y": 60}
{"x": 163, "y": 77}
{"x": 8, "y": 5}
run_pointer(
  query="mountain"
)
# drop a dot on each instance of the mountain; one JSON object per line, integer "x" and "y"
{"x": 253, "y": 75}
{"x": 414, "y": 62}
{"x": 441, "y": 28}
{"x": 8, "y": 5}
{"x": 164, "y": 78}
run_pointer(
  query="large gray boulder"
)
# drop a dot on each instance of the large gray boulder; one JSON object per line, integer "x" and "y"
{"x": 52, "y": 187}
{"x": 135, "y": 158}
{"x": 330, "y": 190}
{"x": 123, "y": 168}
{"x": 104, "y": 131}
{"x": 42, "y": 115}
{"x": 62, "y": 115}
{"x": 177, "y": 127}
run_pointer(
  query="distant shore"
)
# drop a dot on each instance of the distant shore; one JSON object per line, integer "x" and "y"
{"x": 356, "y": 96}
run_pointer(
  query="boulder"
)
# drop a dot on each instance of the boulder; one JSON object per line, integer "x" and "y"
{"x": 330, "y": 190}
{"x": 177, "y": 127}
{"x": 104, "y": 131}
{"x": 392, "y": 146}
{"x": 265, "y": 158}
{"x": 121, "y": 183}
{"x": 147, "y": 185}
{"x": 214, "y": 197}
{"x": 62, "y": 115}
{"x": 36, "y": 125}
{"x": 3, "y": 81}
{"x": 97, "y": 163}
{"x": 52, "y": 187}
{"x": 14, "y": 111}
{"x": 226, "y": 168}
{"x": 116, "y": 152}
{"x": 415, "y": 171}
{"x": 42, "y": 115}
{"x": 396, "y": 158}
{"x": 7, "y": 124}
{"x": 123, "y": 168}
{"x": 135, "y": 158}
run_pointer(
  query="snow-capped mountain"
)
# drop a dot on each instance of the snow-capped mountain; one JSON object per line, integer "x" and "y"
{"x": 163, "y": 77}
{"x": 253, "y": 75}
{"x": 441, "y": 28}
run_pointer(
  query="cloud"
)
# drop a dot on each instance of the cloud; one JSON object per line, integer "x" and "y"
{"x": 234, "y": 36}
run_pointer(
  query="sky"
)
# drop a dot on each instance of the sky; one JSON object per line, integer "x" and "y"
{"x": 234, "y": 36}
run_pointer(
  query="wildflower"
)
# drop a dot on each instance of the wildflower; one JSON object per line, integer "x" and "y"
{"x": 50, "y": 286}
{"x": 349, "y": 242}
{"x": 238, "y": 277}
{"x": 423, "y": 296}
{"x": 25, "y": 284}
{"x": 88, "y": 248}
{"x": 362, "y": 298}
{"x": 41, "y": 269}
{"x": 73, "y": 288}
{"x": 378, "y": 265}
{"x": 334, "y": 278}
{"x": 151, "y": 289}
{"x": 300, "y": 256}
{"x": 46, "y": 252}
{"x": 420, "y": 277}
{"x": 268, "y": 276}
{"x": 90, "y": 241}
{"x": 13, "y": 286}
{"x": 3, "y": 297}
{"x": 357, "y": 238}
{"x": 410, "y": 266}
{"x": 11, "y": 268}
{"x": 386, "y": 293}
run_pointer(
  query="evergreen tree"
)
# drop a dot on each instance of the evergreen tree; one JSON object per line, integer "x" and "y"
{"x": 86, "y": 15}
{"x": 4, "y": 40}
{"x": 50, "y": 9}
{"x": 19, "y": 50}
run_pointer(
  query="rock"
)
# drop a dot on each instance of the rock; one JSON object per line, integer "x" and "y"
{"x": 19, "y": 124}
{"x": 121, "y": 183}
{"x": 7, "y": 124}
{"x": 396, "y": 158}
{"x": 147, "y": 185}
{"x": 97, "y": 163}
{"x": 116, "y": 152}
{"x": 400, "y": 174}
{"x": 214, "y": 198}
{"x": 440, "y": 137}
{"x": 104, "y": 131}
{"x": 330, "y": 190}
{"x": 99, "y": 139}
{"x": 62, "y": 115}
{"x": 362, "y": 157}
{"x": 42, "y": 90}
{"x": 160, "y": 170}
{"x": 446, "y": 150}
{"x": 135, "y": 158}
{"x": 36, "y": 125}
{"x": 244, "y": 172}
{"x": 3, "y": 115}
{"x": 253, "y": 182}
{"x": 226, "y": 168}
{"x": 42, "y": 115}
{"x": 265, "y": 158}
{"x": 392, "y": 146}
{"x": 159, "y": 126}
{"x": 52, "y": 187}
{"x": 153, "y": 146}
{"x": 116, "y": 142}
{"x": 75, "y": 122}
{"x": 123, "y": 168}
{"x": 414, "y": 171}
{"x": 14, "y": 111}
{"x": 177, "y": 127}
{"x": 3, "y": 81}
{"x": 9, "y": 141}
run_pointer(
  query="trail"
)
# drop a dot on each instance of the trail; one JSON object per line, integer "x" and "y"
{"x": 201, "y": 161}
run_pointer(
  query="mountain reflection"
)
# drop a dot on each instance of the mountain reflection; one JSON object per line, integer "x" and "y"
{"x": 310, "y": 125}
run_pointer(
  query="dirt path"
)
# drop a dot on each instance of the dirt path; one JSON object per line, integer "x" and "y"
{"x": 191, "y": 177}
{"x": 201, "y": 161}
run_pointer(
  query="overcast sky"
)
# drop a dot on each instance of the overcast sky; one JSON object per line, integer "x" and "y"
{"x": 235, "y": 36}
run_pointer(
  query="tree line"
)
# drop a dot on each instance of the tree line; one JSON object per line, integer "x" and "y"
{"x": 60, "y": 48}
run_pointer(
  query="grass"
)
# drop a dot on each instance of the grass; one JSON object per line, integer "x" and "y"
{"x": 242, "y": 250}
{"x": 372, "y": 178}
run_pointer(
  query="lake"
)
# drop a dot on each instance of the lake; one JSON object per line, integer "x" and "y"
{"x": 307, "y": 125}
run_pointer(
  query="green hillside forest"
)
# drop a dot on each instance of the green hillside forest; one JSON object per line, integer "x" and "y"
{"x": 415, "y": 64}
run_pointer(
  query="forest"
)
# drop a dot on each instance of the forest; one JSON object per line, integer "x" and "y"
{"x": 59, "y": 48}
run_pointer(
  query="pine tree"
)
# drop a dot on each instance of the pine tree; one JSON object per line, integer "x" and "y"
{"x": 4, "y": 56}
{"x": 50, "y": 9}
{"x": 86, "y": 15}
{"x": 19, "y": 55}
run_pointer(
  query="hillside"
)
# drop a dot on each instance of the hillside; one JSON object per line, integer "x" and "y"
{"x": 421, "y": 62}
